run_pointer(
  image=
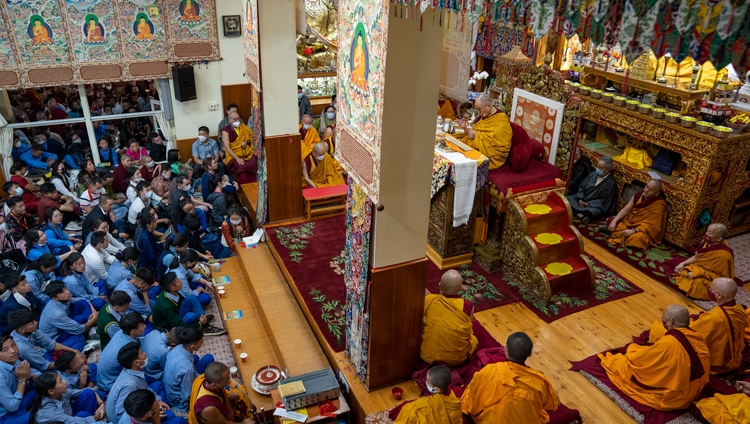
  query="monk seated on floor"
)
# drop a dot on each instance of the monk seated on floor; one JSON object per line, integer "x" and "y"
{"x": 642, "y": 222}
{"x": 447, "y": 336}
{"x": 597, "y": 193}
{"x": 309, "y": 135}
{"x": 319, "y": 169}
{"x": 723, "y": 327}
{"x": 667, "y": 375}
{"x": 445, "y": 108}
{"x": 712, "y": 259}
{"x": 726, "y": 409}
{"x": 491, "y": 133}
{"x": 510, "y": 392}
{"x": 442, "y": 406}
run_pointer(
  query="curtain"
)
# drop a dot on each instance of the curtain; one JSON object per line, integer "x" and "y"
{"x": 6, "y": 147}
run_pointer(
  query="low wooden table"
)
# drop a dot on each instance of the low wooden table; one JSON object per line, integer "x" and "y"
{"x": 325, "y": 200}
{"x": 314, "y": 413}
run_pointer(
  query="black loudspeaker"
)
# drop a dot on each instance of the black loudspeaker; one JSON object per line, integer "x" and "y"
{"x": 184, "y": 83}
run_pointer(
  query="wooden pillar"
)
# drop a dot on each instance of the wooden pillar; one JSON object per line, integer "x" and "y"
{"x": 284, "y": 175}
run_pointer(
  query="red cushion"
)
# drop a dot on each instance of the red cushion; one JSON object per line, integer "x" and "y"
{"x": 520, "y": 148}
{"x": 537, "y": 150}
{"x": 535, "y": 174}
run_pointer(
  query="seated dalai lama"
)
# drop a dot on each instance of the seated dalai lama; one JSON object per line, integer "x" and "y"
{"x": 642, "y": 222}
{"x": 440, "y": 407}
{"x": 491, "y": 132}
{"x": 713, "y": 259}
{"x": 667, "y": 375}
{"x": 309, "y": 135}
{"x": 726, "y": 409}
{"x": 510, "y": 391}
{"x": 319, "y": 169}
{"x": 723, "y": 327}
{"x": 597, "y": 193}
{"x": 447, "y": 336}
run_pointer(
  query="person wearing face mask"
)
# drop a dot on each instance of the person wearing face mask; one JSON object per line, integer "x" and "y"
{"x": 490, "y": 133}
{"x": 203, "y": 148}
{"x": 142, "y": 297}
{"x": 510, "y": 391}
{"x": 665, "y": 376}
{"x": 308, "y": 134}
{"x": 239, "y": 146}
{"x": 181, "y": 369}
{"x": 160, "y": 183}
{"x": 38, "y": 160}
{"x": 723, "y": 327}
{"x": 712, "y": 259}
{"x": 597, "y": 194}
{"x": 19, "y": 148}
{"x": 133, "y": 361}
{"x": 231, "y": 107}
{"x": 326, "y": 120}
{"x": 235, "y": 227}
{"x": 13, "y": 189}
{"x": 303, "y": 102}
{"x": 51, "y": 199}
{"x": 135, "y": 177}
{"x": 132, "y": 327}
{"x": 440, "y": 406}
{"x": 149, "y": 168}
{"x": 319, "y": 169}
{"x": 143, "y": 194}
{"x": 123, "y": 268}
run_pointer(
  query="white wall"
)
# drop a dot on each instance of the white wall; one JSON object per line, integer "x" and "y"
{"x": 188, "y": 116}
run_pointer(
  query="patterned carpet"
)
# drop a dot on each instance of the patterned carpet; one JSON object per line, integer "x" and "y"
{"x": 741, "y": 246}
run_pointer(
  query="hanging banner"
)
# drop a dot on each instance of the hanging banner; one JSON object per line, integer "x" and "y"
{"x": 454, "y": 72}
{"x": 250, "y": 34}
{"x": 363, "y": 26}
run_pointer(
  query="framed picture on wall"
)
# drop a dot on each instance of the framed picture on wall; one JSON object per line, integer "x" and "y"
{"x": 232, "y": 26}
{"x": 541, "y": 118}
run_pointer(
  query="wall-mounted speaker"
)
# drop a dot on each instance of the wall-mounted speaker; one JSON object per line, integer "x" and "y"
{"x": 183, "y": 79}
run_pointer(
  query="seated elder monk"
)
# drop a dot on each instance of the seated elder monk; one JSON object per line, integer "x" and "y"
{"x": 447, "y": 335}
{"x": 597, "y": 194}
{"x": 726, "y": 409}
{"x": 239, "y": 146}
{"x": 642, "y": 222}
{"x": 510, "y": 392}
{"x": 667, "y": 375}
{"x": 319, "y": 169}
{"x": 723, "y": 327}
{"x": 442, "y": 406}
{"x": 712, "y": 259}
{"x": 308, "y": 133}
{"x": 445, "y": 108}
{"x": 491, "y": 133}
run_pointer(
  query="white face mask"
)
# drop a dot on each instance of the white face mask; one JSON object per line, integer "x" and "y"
{"x": 203, "y": 138}
{"x": 150, "y": 164}
{"x": 19, "y": 191}
{"x": 236, "y": 124}
{"x": 17, "y": 145}
{"x": 330, "y": 115}
{"x": 145, "y": 362}
{"x": 306, "y": 126}
{"x": 149, "y": 194}
{"x": 76, "y": 140}
{"x": 237, "y": 222}
{"x": 138, "y": 180}
{"x": 431, "y": 388}
{"x": 323, "y": 156}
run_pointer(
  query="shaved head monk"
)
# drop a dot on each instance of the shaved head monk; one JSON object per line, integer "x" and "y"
{"x": 669, "y": 374}
{"x": 713, "y": 259}
{"x": 510, "y": 392}
{"x": 490, "y": 133}
{"x": 447, "y": 335}
{"x": 642, "y": 222}
{"x": 319, "y": 169}
{"x": 309, "y": 135}
{"x": 445, "y": 108}
{"x": 723, "y": 327}
{"x": 726, "y": 409}
{"x": 441, "y": 407}
{"x": 239, "y": 145}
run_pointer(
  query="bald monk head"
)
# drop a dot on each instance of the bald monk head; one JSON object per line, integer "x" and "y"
{"x": 450, "y": 283}
{"x": 438, "y": 379}
{"x": 675, "y": 316}
{"x": 722, "y": 290}
{"x": 319, "y": 149}
{"x": 306, "y": 121}
{"x": 653, "y": 188}
{"x": 518, "y": 347}
{"x": 233, "y": 117}
{"x": 715, "y": 233}
{"x": 483, "y": 104}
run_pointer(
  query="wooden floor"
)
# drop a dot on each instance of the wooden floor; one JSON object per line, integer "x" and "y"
{"x": 568, "y": 339}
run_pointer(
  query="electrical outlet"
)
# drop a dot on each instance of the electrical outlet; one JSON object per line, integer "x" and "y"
{"x": 213, "y": 106}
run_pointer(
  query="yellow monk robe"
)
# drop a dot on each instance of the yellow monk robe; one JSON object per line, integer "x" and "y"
{"x": 435, "y": 409}
{"x": 649, "y": 216}
{"x": 446, "y": 110}
{"x": 309, "y": 137}
{"x": 666, "y": 376}
{"x": 218, "y": 400}
{"x": 506, "y": 392}
{"x": 332, "y": 148}
{"x": 324, "y": 173}
{"x": 723, "y": 329}
{"x": 236, "y": 137}
{"x": 725, "y": 409}
{"x": 712, "y": 262}
{"x": 447, "y": 335}
{"x": 747, "y": 329}
{"x": 492, "y": 139}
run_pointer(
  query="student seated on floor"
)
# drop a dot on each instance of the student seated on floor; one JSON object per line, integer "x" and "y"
{"x": 157, "y": 345}
{"x": 75, "y": 371}
{"x": 132, "y": 327}
{"x": 56, "y": 402}
{"x": 123, "y": 268}
{"x": 57, "y": 240}
{"x": 33, "y": 345}
{"x": 113, "y": 245}
{"x": 236, "y": 226}
{"x": 141, "y": 406}
{"x": 139, "y": 288}
{"x": 97, "y": 258}
{"x": 39, "y": 273}
{"x": 66, "y": 319}
{"x": 15, "y": 395}
{"x": 146, "y": 242}
{"x": 108, "y": 323}
{"x": 174, "y": 310}
{"x": 191, "y": 283}
{"x": 213, "y": 249}
{"x": 75, "y": 278}
{"x": 21, "y": 298}
{"x": 36, "y": 246}
{"x": 175, "y": 244}
{"x": 182, "y": 368}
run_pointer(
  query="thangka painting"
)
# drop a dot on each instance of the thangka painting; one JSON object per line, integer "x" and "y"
{"x": 361, "y": 68}
{"x": 250, "y": 34}
{"x": 39, "y": 32}
{"x": 7, "y": 58}
{"x": 454, "y": 75}
{"x": 143, "y": 30}
{"x": 93, "y": 30}
{"x": 541, "y": 118}
{"x": 192, "y": 28}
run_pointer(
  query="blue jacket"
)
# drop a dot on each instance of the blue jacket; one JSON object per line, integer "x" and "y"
{"x": 38, "y": 163}
{"x": 10, "y": 305}
{"x": 109, "y": 155}
{"x": 150, "y": 251}
{"x": 57, "y": 240}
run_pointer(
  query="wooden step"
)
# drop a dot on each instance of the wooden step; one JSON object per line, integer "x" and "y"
{"x": 568, "y": 246}
{"x": 577, "y": 279}
{"x": 555, "y": 219}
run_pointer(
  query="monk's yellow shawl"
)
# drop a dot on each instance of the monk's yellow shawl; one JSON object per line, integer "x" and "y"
{"x": 324, "y": 173}
{"x": 244, "y": 133}
{"x": 435, "y": 409}
{"x": 446, "y": 110}
{"x": 198, "y": 391}
{"x": 651, "y": 220}
{"x": 447, "y": 335}
{"x": 725, "y": 409}
{"x": 310, "y": 139}
{"x": 710, "y": 265}
{"x": 493, "y": 138}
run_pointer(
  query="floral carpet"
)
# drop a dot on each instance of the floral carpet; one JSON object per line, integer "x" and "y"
{"x": 741, "y": 246}
{"x": 313, "y": 255}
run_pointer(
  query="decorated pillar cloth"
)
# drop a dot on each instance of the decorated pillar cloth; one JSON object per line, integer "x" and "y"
{"x": 358, "y": 223}
{"x": 250, "y": 34}
{"x": 48, "y": 42}
{"x": 255, "y": 122}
